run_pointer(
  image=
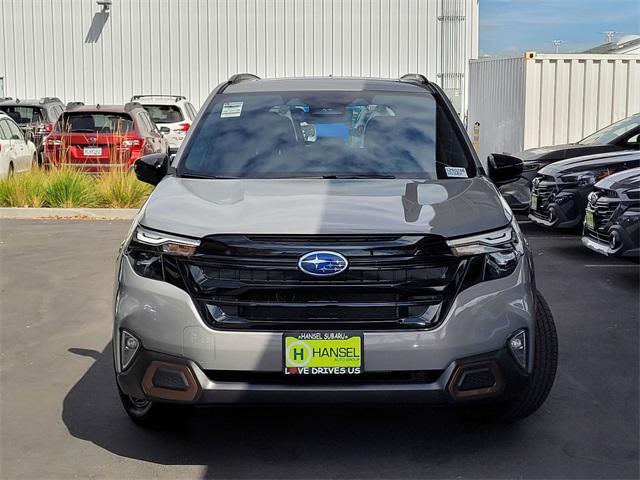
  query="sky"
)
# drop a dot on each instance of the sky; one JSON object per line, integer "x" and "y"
{"x": 514, "y": 26}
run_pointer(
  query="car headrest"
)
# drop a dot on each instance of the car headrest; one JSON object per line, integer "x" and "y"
{"x": 82, "y": 122}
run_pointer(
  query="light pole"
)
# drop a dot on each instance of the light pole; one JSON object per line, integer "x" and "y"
{"x": 557, "y": 43}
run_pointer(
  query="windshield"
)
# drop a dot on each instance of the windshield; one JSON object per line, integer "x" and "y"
{"x": 90, "y": 122}
{"x": 23, "y": 115}
{"x": 326, "y": 134}
{"x": 611, "y": 133}
{"x": 164, "y": 113}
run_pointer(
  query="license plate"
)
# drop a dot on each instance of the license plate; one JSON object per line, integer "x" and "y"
{"x": 92, "y": 151}
{"x": 534, "y": 202}
{"x": 588, "y": 220}
{"x": 322, "y": 353}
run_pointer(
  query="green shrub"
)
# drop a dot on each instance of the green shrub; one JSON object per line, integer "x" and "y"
{"x": 67, "y": 188}
{"x": 121, "y": 189}
{"x": 25, "y": 190}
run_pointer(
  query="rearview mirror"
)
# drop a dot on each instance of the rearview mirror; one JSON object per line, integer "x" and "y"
{"x": 151, "y": 168}
{"x": 504, "y": 168}
{"x": 165, "y": 130}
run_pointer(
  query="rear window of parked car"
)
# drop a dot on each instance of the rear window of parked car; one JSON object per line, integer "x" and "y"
{"x": 164, "y": 113}
{"x": 90, "y": 122}
{"x": 24, "y": 114}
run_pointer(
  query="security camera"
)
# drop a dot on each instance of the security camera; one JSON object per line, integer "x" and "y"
{"x": 105, "y": 4}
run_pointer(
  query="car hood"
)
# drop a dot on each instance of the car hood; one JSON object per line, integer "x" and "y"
{"x": 559, "y": 152}
{"x": 200, "y": 207}
{"x": 543, "y": 152}
{"x": 621, "y": 180}
{"x": 589, "y": 162}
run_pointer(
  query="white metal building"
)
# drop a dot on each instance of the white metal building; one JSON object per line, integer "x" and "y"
{"x": 75, "y": 50}
{"x": 548, "y": 99}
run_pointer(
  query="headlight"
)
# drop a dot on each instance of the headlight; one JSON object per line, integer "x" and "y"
{"x": 153, "y": 255}
{"x": 496, "y": 253}
{"x": 531, "y": 166}
{"x": 584, "y": 179}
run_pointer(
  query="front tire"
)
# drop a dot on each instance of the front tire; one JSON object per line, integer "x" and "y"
{"x": 151, "y": 414}
{"x": 545, "y": 363}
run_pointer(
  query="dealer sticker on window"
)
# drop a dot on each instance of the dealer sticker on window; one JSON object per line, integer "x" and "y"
{"x": 231, "y": 109}
{"x": 322, "y": 353}
{"x": 456, "y": 172}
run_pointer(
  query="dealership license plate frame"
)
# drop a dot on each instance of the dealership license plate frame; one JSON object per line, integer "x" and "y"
{"x": 589, "y": 220}
{"x": 92, "y": 151}
{"x": 534, "y": 202}
{"x": 327, "y": 368}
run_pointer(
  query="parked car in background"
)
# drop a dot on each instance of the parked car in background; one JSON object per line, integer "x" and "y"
{"x": 619, "y": 136}
{"x": 559, "y": 191}
{"x": 35, "y": 117}
{"x": 16, "y": 153}
{"x": 98, "y": 137}
{"x": 173, "y": 114}
{"x": 612, "y": 219}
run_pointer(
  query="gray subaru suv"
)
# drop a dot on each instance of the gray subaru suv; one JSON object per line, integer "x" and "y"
{"x": 329, "y": 240}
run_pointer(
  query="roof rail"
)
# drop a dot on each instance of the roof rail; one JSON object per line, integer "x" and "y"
{"x": 74, "y": 105}
{"x": 414, "y": 78}
{"x": 175, "y": 97}
{"x": 50, "y": 100}
{"x": 242, "y": 77}
{"x": 131, "y": 105}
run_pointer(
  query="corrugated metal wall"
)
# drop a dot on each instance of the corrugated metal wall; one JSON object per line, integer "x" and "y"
{"x": 549, "y": 99}
{"x": 570, "y": 96}
{"x": 67, "y": 48}
{"x": 496, "y": 103}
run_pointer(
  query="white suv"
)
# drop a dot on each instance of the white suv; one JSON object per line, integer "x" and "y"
{"x": 16, "y": 153}
{"x": 173, "y": 114}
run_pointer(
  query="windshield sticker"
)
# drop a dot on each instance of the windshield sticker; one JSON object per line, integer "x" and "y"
{"x": 231, "y": 109}
{"x": 456, "y": 172}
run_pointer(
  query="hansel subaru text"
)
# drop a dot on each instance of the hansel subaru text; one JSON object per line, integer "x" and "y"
{"x": 329, "y": 240}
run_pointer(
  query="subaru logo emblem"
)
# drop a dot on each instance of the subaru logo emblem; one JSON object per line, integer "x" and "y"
{"x": 92, "y": 139}
{"x": 322, "y": 263}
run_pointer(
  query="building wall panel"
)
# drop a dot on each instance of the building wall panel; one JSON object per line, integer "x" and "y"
{"x": 70, "y": 49}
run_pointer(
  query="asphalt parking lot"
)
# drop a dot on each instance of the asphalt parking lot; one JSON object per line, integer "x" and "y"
{"x": 60, "y": 415}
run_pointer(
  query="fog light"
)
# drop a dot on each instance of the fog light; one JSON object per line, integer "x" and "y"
{"x": 518, "y": 347}
{"x": 129, "y": 345}
{"x": 614, "y": 240}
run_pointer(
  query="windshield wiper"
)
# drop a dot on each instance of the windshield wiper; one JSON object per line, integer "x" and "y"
{"x": 200, "y": 175}
{"x": 357, "y": 176}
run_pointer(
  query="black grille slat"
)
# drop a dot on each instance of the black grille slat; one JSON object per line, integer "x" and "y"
{"x": 605, "y": 204}
{"x": 254, "y": 282}
{"x": 543, "y": 191}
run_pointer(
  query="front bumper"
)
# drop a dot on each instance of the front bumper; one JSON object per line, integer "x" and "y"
{"x": 518, "y": 193}
{"x": 164, "y": 318}
{"x": 625, "y": 227}
{"x": 565, "y": 211}
{"x": 203, "y": 387}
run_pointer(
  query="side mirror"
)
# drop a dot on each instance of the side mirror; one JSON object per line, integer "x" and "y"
{"x": 15, "y": 136}
{"x": 504, "y": 168}
{"x": 165, "y": 130}
{"x": 151, "y": 168}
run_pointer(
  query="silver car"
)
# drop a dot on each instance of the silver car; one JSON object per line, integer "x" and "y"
{"x": 329, "y": 240}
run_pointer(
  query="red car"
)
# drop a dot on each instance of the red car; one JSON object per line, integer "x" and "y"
{"x": 97, "y": 138}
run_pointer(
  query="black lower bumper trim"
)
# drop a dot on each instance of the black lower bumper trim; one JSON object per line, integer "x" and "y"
{"x": 245, "y": 387}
